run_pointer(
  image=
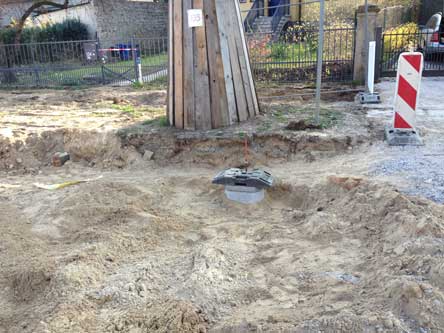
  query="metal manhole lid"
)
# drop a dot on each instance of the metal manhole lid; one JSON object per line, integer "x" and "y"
{"x": 236, "y": 177}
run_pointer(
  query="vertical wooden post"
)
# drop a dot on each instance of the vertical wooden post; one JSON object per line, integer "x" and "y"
{"x": 178, "y": 65}
{"x": 266, "y": 9}
{"x": 210, "y": 79}
{"x": 170, "y": 94}
{"x": 188, "y": 69}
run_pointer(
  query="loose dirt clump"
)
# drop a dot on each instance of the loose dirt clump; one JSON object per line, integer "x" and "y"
{"x": 26, "y": 284}
{"x": 301, "y": 125}
{"x": 170, "y": 316}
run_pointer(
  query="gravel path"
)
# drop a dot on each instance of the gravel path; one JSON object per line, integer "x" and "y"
{"x": 415, "y": 170}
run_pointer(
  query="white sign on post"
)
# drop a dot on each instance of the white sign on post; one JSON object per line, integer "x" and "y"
{"x": 195, "y": 18}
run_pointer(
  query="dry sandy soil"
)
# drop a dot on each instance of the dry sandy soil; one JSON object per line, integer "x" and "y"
{"x": 149, "y": 245}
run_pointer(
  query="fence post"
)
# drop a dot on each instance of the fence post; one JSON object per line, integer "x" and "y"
{"x": 359, "y": 72}
{"x": 378, "y": 60}
{"x": 319, "y": 61}
{"x": 37, "y": 76}
{"x": 98, "y": 58}
{"x": 137, "y": 63}
{"x": 102, "y": 61}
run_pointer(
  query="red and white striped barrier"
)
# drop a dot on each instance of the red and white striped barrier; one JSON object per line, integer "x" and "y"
{"x": 117, "y": 49}
{"x": 408, "y": 82}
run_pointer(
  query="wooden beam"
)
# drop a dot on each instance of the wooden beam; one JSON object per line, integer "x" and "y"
{"x": 210, "y": 82}
{"x": 239, "y": 90}
{"x": 219, "y": 104}
{"x": 188, "y": 69}
{"x": 178, "y": 65}
{"x": 227, "y": 70}
{"x": 170, "y": 107}
{"x": 248, "y": 75}
{"x": 201, "y": 76}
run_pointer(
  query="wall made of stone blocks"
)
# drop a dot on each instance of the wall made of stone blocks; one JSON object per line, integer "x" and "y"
{"x": 117, "y": 19}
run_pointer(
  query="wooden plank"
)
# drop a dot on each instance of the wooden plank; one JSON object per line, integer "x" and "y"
{"x": 239, "y": 91}
{"x": 178, "y": 65}
{"x": 219, "y": 104}
{"x": 201, "y": 77}
{"x": 225, "y": 56}
{"x": 247, "y": 62}
{"x": 170, "y": 108}
{"x": 188, "y": 69}
{"x": 243, "y": 59}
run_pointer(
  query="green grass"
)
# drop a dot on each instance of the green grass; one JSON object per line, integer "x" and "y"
{"x": 265, "y": 126}
{"x": 293, "y": 55}
{"x": 137, "y": 111}
{"x": 285, "y": 55}
{"x": 125, "y": 108}
{"x": 161, "y": 121}
{"x": 118, "y": 67}
{"x": 288, "y": 52}
{"x": 89, "y": 74}
{"x": 327, "y": 117}
{"x": 158, "y": 84}
{"x": 280, "y": 115}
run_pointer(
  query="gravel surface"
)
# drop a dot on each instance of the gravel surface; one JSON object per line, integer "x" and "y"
{"x": 422, "y": 169}
{"x": 415, "y": 170}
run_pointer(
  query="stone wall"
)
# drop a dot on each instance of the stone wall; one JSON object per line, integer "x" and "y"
{"x": 390, "y": 17}
{"x": 360, "y": 48}
{"x": 110, "y": 19}
{"x": 85, "y": 13}
{"x": 124, "y": 19}
{"x": 10, "y": 10}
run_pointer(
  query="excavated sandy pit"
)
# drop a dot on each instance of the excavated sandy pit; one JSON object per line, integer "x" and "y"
{"x": 156, "y": 252}
{"x": 150, "y": 245}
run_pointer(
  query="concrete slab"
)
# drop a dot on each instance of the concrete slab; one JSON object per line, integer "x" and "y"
{"x": 369, "y": 98}
{"x": 396, "y": 137}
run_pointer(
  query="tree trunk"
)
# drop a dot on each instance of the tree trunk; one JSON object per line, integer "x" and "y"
{"x": 210, "y": 80}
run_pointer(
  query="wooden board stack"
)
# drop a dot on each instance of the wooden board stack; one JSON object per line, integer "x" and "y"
{"x": 210, "y": 84}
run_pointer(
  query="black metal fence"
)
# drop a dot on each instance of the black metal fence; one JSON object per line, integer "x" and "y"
{"x": 292, "y": 57}
{"x": 83, "y": 62}
{"x": 430, "y": 43}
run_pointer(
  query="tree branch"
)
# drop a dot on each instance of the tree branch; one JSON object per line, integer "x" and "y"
{"x": 30, "y": 10}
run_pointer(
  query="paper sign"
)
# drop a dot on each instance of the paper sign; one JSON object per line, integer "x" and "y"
{"x": 195, "y": 18}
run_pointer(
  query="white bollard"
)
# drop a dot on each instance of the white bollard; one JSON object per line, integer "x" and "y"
{"x": 139, "y": 70}
{"x": 371, "y": 67}
{"x": 369, "y": 96}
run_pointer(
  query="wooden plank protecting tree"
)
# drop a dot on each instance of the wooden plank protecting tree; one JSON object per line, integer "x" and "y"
{"x": 210, "y": 82}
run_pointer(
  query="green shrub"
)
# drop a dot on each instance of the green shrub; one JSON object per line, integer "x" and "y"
{"x": 278, "y": 51}
{"x": 401, "y": 37}
{"x": 67, "y": 30}
{"x": 71, "y": 29}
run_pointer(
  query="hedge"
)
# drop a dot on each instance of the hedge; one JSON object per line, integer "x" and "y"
{"x": 70, "y": 29}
